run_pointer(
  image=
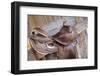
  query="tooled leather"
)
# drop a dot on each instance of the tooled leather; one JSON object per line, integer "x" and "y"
{"x": 66, "y": 46}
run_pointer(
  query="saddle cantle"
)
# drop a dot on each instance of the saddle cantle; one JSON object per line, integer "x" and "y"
{"x": 66, "y": 35}
{"x": 66, "y": 38}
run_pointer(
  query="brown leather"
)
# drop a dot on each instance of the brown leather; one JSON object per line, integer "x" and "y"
{"x": 67, "y": 52}
{"x": 66, "y": 36}
{"x": 62, "y": 45}
{"x": 67, "y": 43}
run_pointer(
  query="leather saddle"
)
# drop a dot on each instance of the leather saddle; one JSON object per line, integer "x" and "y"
{"x": 60, "y": 46}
